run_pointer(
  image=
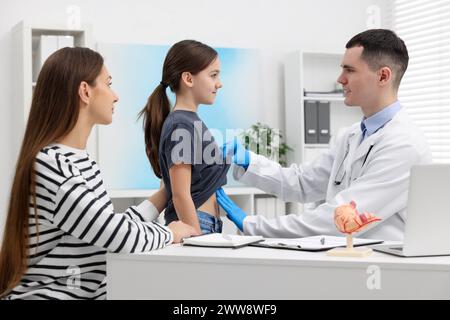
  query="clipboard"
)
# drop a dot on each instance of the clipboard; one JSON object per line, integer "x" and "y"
{"x": 312, "y": 244}
{"x": 219, "y": 240}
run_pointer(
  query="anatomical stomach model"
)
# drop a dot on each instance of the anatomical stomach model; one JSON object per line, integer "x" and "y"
{"x": 348, "y": 220}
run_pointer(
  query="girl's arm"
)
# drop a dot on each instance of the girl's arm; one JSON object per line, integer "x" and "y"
{"x": 180, "y": 180}
{"x": 159, "y": 198}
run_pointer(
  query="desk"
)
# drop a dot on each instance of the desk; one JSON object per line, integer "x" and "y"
{"x": 178, "y": 272}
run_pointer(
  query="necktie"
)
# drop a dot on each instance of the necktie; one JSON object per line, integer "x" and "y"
{"x": 364, "y": 130}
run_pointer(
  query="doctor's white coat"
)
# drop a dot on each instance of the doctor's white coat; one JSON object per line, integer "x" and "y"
{"x": 379, "y": 186}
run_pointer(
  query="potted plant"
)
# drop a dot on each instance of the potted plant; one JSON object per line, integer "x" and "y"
{"x": 264, "y": 140}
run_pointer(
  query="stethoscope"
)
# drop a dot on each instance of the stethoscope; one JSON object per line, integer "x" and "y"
{"x": 340, "y": 174}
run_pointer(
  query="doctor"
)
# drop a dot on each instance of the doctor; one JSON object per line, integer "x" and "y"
{"x": 369, "y": 163}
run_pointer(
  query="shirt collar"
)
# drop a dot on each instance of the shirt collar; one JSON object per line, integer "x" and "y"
{"x": 379, "y": 119}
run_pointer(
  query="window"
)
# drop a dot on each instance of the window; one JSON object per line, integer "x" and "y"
{"x": 424, "y": 25}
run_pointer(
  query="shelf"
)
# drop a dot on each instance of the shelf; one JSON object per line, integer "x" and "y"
{"x": 339, "y": 99}
{"x": 317, "y": 145}
{"x": 311, "y": 77}
{"x": 233, "y": 191}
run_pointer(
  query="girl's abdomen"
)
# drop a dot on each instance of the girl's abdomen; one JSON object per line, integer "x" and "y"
{"x": 210, "y": 206}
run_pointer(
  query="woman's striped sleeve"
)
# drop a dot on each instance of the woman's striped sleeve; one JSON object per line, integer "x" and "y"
{"x": 81, "y": 213}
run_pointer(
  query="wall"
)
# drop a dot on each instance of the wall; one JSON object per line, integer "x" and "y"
{"x": 275, "y": 26}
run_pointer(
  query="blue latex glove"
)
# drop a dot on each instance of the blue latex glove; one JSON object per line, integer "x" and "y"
{"x": 239, "y": 155}
{"x": 234, "y": 213}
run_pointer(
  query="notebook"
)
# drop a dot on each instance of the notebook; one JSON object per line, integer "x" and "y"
{"x": 220, "y": 240}
{"x": 315, "y": 243}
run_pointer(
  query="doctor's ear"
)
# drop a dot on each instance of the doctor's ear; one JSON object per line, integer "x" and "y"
{"x": 84, "y": 91}
{"x": 385, "y": 75}
{"x": 187, "y": 79}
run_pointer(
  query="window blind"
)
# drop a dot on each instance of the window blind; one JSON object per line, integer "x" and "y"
{"x": 424, "y": 25}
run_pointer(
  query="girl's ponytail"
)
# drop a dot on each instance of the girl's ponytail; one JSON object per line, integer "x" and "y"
{"x": 154, "y": 113}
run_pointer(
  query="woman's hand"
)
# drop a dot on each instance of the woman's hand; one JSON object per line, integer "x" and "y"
{"x": 181, "y": 230}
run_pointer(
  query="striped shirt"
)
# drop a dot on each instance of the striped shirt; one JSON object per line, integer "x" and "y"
{"x": 77, "y": 226}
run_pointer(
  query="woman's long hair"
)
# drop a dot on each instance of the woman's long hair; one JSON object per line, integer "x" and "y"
{"x": 53, "y": 114}
{"x": 184, "y": 56}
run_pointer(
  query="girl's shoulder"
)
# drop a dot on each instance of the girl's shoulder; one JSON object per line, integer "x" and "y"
{"x": 184, "y": 115}
{"x": 181, "y": 119}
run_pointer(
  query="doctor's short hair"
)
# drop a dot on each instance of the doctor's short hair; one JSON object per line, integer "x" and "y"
{"x": 383, "y": 48}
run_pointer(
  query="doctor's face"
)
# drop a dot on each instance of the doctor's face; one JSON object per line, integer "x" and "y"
{"x": 359, "y": 82}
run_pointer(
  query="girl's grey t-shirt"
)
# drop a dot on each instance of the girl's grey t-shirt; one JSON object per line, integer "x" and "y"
{"x": 186, "y": 139}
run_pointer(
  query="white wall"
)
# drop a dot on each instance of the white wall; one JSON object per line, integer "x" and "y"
{"x": 275, "y": 26}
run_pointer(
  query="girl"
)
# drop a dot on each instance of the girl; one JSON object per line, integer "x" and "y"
{"x": 60, "y": 221}
{"x": 180, "y": 147}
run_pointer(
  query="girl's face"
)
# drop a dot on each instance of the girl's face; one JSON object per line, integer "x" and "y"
{"x": 101, "y": 104}
{"x": 206, "y": 83}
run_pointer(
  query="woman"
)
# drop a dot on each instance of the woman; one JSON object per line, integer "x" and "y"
{"x": 60, "y": 221}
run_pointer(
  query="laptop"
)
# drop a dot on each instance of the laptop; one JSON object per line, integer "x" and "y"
{"x": 427, "y": 228}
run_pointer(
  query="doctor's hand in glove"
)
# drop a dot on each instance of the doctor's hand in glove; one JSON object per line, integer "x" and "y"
{"x": 239, "y": 155}
{"x": 234, "y": 213}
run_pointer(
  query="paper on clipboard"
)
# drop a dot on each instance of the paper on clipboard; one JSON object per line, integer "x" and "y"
{"x": 315, "y": 243}
{"x": 219, "y": 240}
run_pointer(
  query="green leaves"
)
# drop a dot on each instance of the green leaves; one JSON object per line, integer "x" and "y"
{"x": 266, "y": 141}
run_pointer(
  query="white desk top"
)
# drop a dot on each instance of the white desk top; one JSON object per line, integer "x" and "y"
{"x": 273, "y": 274}
{"x": 254, "y": 255}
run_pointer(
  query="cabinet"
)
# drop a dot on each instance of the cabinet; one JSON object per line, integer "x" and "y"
{"x": 315, "y": 109}
{"x": 26, "y": 38}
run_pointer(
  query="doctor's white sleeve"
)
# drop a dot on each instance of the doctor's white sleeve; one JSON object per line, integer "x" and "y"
{"x": 298, "y": 183}
{"x": 381, "y": 189}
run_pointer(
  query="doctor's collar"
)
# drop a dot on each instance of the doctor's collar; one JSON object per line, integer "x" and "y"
{"x": 379, "y": 119}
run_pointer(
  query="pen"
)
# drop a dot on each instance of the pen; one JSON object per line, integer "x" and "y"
{"x": 287, "y": 246}
{"x": 322, "y": 240}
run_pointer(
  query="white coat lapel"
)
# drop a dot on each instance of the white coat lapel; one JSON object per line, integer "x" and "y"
{"x": 344, "y": 149}
{"x": 344, "y": 168}
{"x": 365, "y": 146}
